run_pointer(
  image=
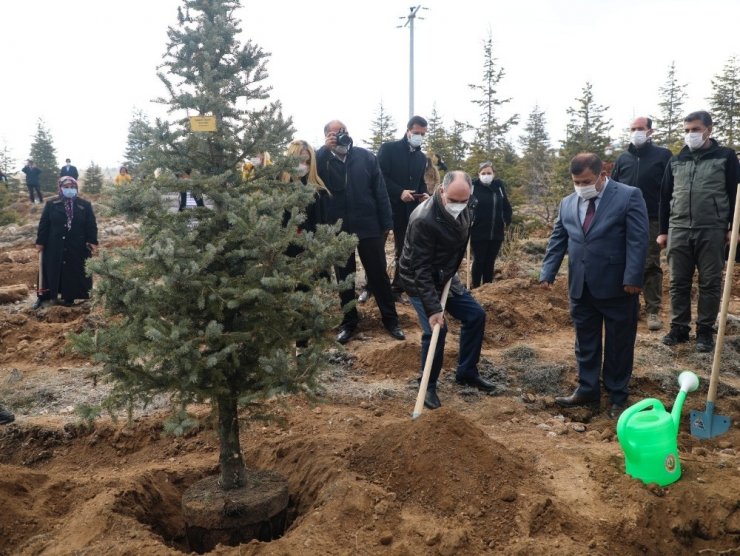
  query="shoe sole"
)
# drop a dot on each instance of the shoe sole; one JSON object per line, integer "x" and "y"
{"x": 654, "y": 327}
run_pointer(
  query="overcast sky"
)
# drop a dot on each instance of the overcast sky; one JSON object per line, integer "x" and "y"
{"x": 84, "y": 65}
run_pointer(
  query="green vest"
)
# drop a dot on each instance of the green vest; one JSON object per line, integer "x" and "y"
{"x": 699, "y": 194}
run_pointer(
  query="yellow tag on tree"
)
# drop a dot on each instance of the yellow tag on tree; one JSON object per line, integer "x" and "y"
{"x": 202, "y": 123}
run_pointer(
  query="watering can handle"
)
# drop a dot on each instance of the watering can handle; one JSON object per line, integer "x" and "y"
{"x": 632, "y": 411}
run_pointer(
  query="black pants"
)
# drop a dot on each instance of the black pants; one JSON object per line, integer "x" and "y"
{"x": 399, "y": 236}
{"x": 184, "y": 200}
{"x": 31, "y": 189}
{"x": 372, "y": 255}
{"x": 484, "y": 258}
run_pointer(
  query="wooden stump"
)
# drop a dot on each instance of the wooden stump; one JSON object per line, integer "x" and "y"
{"x": 231, "y": 517}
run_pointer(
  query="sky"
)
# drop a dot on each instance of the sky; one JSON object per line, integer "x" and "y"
{"x": 83, "y": 66}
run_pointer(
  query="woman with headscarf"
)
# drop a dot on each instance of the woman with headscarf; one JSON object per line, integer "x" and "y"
{"x": 67, "y": 237}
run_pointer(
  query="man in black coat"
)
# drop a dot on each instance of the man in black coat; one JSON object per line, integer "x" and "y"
{"x": 436, "y": 239}
{"x": 69, "y": 170}
{"x": 359, "y": 198}
{"x": 33, "y": 180}
{"x": 643, "y": 166}
{"x": 403, "y": 165}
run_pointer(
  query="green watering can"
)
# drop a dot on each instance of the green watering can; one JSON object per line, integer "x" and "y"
{"x": 648, "y": 436}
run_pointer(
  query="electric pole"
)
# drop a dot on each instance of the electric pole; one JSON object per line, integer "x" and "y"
{"x": 413, "y": 10}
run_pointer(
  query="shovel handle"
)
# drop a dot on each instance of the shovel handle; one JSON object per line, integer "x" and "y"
{"x": 727, "y": 290}
{"x": 430, "y": 357}
{"x": 41, "y": 273}
{"x": 467, "y": 262}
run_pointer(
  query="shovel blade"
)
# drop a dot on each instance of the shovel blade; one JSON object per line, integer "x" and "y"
{"x": 705, "y": 424}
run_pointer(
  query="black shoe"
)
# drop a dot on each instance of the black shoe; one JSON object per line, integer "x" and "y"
{"x": 396, "y": 332}
{"x": 704, "y": 340}
{"x": 476, "y": 382}
{"x": 37, "y": 303}
{"x": 365, "y": 294}
{"x": 345, "y": 333}
{"x": 677, "y": 335}
{"x": 68, "y": 303}
{"x": 615, "y": 411}
{"x": 431, "y": 400}
{"x": 577, "y": 400}
{"x": 7, "y": 417}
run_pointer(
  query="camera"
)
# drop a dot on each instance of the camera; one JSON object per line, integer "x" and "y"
{"x": 343, "y": 138}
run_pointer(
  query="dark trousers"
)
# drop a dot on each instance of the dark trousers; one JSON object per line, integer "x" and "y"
{"x": 372, "y": 254}
{"x": 484, "y": 258}
{"x": 184, "y": 200}
{"x": 617, "y": 316}
{"x": 399, "y": 236}
{"x": 37, "y": 189}
{"x": 653, "y": 276}
{"x": 468, "y": 311}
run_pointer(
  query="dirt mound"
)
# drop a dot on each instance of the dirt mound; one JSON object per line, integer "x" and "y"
{"x": 443, "y": 461}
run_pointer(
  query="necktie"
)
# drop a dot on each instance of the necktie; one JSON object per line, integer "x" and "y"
{"x": 590, "y": 211}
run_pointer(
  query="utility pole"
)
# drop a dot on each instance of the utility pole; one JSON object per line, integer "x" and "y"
{"x": 413, "y": 10}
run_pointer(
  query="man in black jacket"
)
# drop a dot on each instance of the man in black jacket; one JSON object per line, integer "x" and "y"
{"x": 643, "y": 166}
{"x": 33, "y": 180}
{"x": 359, "y": 198}
{"x": 69, "y": 170}
{"x": 403, "y": 165}
{"x": 436, "y": 239}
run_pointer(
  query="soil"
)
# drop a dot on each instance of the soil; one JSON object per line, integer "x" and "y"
{"x": 507, "y": 473}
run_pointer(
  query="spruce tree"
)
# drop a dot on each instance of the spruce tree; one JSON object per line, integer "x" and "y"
{"x": 93, "y": 179}
{"x": 44, "y": 156}
{"x": 437, "y": 137}
{"x": 208, "y": 308}
{"x": 588, "y": 128}
{"x": 669, "y": 124}
{"x": 537, "y": 166}
{"x": 725, "y": 104}
{"x": 8, "y": 168}
{"x": 382, "y": 128}
{"x": 459, "y": 147}
{"x": 139, "y": 140}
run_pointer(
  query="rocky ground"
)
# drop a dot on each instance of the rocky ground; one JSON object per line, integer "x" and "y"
{"x": 507, "y": 473}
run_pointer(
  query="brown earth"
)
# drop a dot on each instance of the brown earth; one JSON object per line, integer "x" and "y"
{"x": 508, "y": 473}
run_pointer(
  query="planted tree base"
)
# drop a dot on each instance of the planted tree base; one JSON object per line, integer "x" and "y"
{"x": 255, "y": 511}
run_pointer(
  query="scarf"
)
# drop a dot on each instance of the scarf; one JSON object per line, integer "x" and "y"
{"x": 69, "y": 206}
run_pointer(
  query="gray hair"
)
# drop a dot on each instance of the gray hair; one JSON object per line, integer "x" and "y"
{"x": 328, "y": 125}
{"x": 450, "y": 177}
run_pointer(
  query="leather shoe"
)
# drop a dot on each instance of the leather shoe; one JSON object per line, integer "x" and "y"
{"x": 365, "y": 294}
{"x": 476, "y": 382}
{"x": 37, "y": 303}
{"x": 615, "y": 411}
{"x": 431, "y": 400}
{"x": 396, "y": 332}
{"x": 576, "y": 400}
{"x": 345, "y": 333}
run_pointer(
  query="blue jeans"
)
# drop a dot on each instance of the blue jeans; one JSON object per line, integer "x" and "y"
{"x": 466, "y": 309}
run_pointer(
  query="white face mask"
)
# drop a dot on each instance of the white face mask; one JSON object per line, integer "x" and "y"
{"x": 416, "y": 140}
{"x": 486, "y": 179}
{"x": 455, "y": 208}
{"x": 695, "y": 140}
{"x": 586, "y": 192}
{"x": 638, "y": 138}
{"x": 301, "y": 170}
{"x": 256, "y": 162}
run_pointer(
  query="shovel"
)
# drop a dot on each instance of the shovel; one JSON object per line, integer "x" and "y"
{"x": 467, "y": 262}
{"x": 430, "y": 357}
{"x": 705, "y": 424}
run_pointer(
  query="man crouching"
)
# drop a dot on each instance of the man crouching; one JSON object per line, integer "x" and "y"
{"x": 435, "y": 244}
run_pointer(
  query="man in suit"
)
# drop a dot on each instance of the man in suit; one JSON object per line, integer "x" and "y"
{"x": 403, "y": 165}
{"x": 69, "y": 170}
{"x": 603, "y": 226}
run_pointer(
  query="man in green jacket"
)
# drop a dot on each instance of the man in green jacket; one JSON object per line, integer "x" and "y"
{"x": 696, "y": 207}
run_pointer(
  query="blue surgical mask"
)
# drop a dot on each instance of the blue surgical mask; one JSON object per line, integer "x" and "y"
{"x": 69, "y": 192}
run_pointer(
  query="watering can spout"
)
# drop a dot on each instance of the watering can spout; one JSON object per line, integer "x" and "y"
{"x": 688, "y": 382}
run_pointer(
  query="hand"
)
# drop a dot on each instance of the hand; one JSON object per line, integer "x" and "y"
{"x": 437, "y": 319}
{"x": 331, "y": 140}
{"x": 728, "y": 237}
{"x": 93, "y": 249}
{"x": 662, "y": 240}
{"x": 632, "y": 290}
{"x": 39, "y": 248}
{"x": 545, "y": 285}
{"x": 407, "y": 195}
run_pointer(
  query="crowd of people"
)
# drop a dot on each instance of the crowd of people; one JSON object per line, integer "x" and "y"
{"x": 612, "y": 228}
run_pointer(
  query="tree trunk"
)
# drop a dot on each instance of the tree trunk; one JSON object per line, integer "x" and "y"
{"x": 233, "y": 471}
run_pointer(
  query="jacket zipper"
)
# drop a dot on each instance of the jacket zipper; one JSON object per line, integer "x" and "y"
{"x": 493, "y": 216}
{"x": 691, "y": 187}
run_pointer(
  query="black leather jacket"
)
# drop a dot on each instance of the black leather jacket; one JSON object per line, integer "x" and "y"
{"x": 433, "y": 250}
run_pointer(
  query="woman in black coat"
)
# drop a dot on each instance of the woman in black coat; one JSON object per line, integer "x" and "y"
{"x": 67, "y": 236}
{"x": 492, "y": 211}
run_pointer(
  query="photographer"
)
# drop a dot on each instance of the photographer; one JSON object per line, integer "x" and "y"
{"x": 359, "y": 198}
{"x": 403, "y": 165}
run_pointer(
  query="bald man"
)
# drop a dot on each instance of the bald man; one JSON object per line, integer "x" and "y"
{"x": 435, "y": 244}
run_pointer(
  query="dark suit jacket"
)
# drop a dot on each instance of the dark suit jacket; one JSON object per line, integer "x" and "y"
{"x": 611, "y": 255}
{"x": 69, "y": 170}
{"x": 402, "y": 169}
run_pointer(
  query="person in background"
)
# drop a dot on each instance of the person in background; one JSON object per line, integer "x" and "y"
{"x": 69, "y": 170}
{"x": 259, "y": 160}
{"x": 697, "y": 201}
{"x": 492, "y": 213}
{"x": 359, "y": 198}
{"x": 33, "y": 180}
{"x": 123, "y": 176}
{"x": 185, "y": 175}
{"x": 435, "y": 244}
{"x": 67, "y": 237}
{"x": 603, "y": 227}
{"x": 643, "y": 166}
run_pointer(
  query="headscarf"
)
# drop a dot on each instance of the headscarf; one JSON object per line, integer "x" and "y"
{"x": 69, "y": 205}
